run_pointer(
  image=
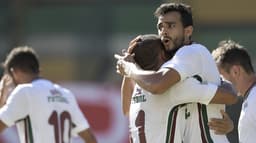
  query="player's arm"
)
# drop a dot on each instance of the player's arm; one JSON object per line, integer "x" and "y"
{"x": 88, "y": 136}
{"x": 126, "y": 94}
{"x": 18, "y": 100}
{"x": 225, "y": 94}
{"x": 222, "y": 95}
{"x": 191, "y": 90}
{"x": 82, "y": 127}
{"x": 155, "y": 82}
{"x": 2, "y": 126}
{"x": 221, "y": 126}
{"x": 6, "y": 86}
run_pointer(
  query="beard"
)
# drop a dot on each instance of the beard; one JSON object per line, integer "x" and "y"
{"x": 177, "y": 44}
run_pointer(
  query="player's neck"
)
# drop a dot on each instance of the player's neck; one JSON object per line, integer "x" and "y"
{"x": 188, "y": 42}
{"x": 29, "y": 78}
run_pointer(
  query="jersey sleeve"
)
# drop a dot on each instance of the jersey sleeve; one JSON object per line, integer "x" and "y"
{"x": 16, "y": 106}
{"x": 187, "y": 61}
{"x": 191, "y": 90}
{"x": 79, "y": 120}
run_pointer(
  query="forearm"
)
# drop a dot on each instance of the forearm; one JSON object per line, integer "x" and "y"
{"x": 3, "y": 92}
{"x": 224, "y": 96}
{"x": 6, "y": 86}
{"x": 88, "y": 136}
{"x": 3, "y": 97}
{"x": 156, "y": 82}
{"x": 126, "y": 94}
{"x": 2, "y": 126}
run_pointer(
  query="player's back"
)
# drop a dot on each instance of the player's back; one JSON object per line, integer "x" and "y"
{"x": 52, "y": 113}
{"x": 153, "y": 118}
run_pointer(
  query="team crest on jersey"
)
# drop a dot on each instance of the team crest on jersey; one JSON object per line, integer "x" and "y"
{"x": 138, "y": 96}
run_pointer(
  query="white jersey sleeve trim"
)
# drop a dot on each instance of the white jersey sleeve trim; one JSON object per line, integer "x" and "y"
{"x": 4, "y": 118}
{"x": 191, "y": 90}
{"x": 80, "y": 128}
{"x": 212, "y": 89}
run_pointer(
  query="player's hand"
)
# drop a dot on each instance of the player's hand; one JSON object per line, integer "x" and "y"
{"x": 221, "y": 126}
{"x": 125, "y": 65}
{"x": 6, "y": 86}
{"x": 133, "y": 43}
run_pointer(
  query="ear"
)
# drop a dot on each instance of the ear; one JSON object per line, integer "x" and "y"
{"x": 188, "y": 31}
{"x": 235, "y": 70}
{"x": 16, "y": 72}
{"x": 12, "y": 71}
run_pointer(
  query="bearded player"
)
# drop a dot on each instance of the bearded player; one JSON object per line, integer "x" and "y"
{"x": 157, "y": 118}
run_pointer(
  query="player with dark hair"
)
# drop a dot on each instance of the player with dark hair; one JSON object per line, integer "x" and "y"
{"x": 175, "y": 27}
{"x": 149, "y": 114}
{"x": 43, "y": 112}
{"x": 149, "y": 53}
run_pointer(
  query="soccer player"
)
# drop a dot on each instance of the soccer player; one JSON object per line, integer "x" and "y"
{"x": 233, "y": 111}
{"x": 235, "y": 65}
{"x": 43, "y": 112}
{"x": 152, "y": 116}
{"x": 175, "y": 27}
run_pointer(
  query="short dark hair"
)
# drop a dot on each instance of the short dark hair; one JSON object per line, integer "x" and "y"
{"x": 23, "y": 58}
{"x": 183, "y": 9}
{"x": 230, "y": 53}
{"x": 147, "y": 51}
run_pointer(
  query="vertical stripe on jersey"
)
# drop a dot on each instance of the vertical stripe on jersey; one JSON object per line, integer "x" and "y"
{"x": 28, "y": 130}
{"x": 171, "y": 125}
{"x": 203, "y": 120}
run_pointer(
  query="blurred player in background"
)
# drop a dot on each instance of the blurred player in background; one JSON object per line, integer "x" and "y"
{"x": 232, "y": 110}
{"x": 235, "y": 65}
{"x": 175, "y": 27}
{"x": 43, "y": 112}
{"x": 156, "y": 118}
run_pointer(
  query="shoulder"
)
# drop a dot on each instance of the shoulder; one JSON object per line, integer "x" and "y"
{"x": 20, "y": 92}
{"x": 23, "y": 87}
{"x": 192, "y": 48}
{"x": 191, "y": 51}
{"x": 59, "y": 87}
{"x": 252, "y": 95}
{"x": 250, "y": 101}
{"x": 194, "y": 45}
{"x": 66, "y": 92}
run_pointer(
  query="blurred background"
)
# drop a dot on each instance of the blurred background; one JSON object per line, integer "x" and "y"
{"x": 76, "y": 41}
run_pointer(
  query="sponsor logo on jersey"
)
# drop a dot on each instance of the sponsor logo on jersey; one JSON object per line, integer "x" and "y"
{"x": 187, "y": 113}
